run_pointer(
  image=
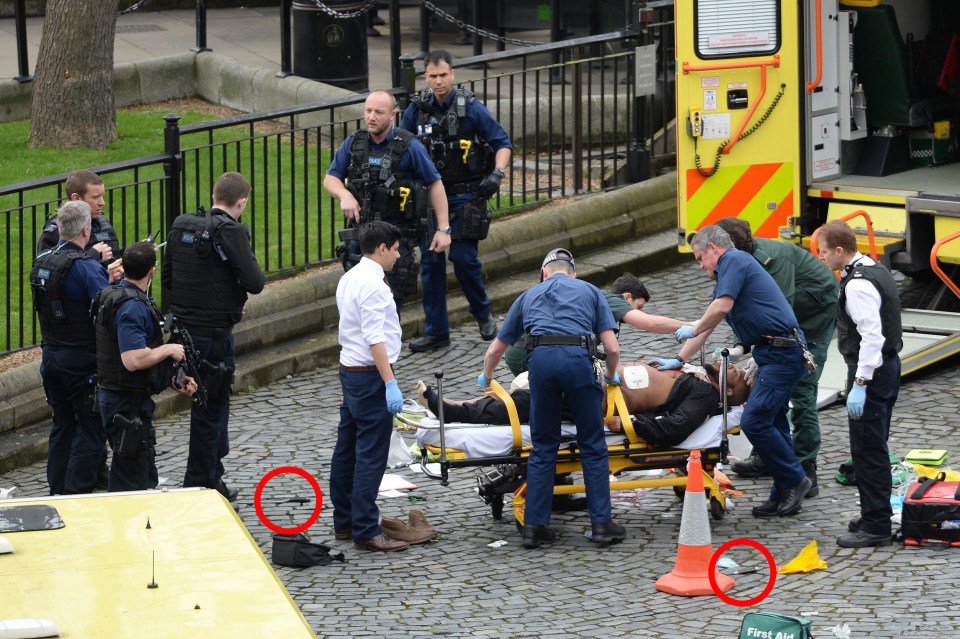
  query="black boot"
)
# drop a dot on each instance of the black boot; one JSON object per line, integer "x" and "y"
{"x": 752, "y": 466}
{"x": 810, "y": 470}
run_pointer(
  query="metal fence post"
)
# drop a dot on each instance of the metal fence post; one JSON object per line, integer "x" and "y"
{"x": 23, "y": 62}
{"x": 201, "y": 27}
{"x": 408, "y": 75}
{"x": 638, "y": 157}
{"x": 577, "y": 137}
{"x": 172, "y": 170}
{"x": 424, "y": 32}
{"x": 394, "y": 16}
{"x": 286, "y": 12}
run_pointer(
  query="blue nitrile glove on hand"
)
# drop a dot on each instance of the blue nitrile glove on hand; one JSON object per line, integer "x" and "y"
{"x": 685, "y": 332}
{"x": 394, "y": 397}
{"x": 615, "y": 380}
{"x": 662, "y": 364}
{"x": 490, "y": 184}
{"x": 856, "y": 398}
{"x": 483, "y": 380}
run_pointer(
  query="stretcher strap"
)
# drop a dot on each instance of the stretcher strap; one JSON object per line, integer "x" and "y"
{"x": 615, "y": 401}
{"x": 504, "y": 396}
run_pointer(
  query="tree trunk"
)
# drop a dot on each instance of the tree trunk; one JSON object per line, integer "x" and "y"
{"x": 73, "y": 84}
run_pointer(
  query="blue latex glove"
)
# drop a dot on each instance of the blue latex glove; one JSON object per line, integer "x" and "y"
{"x": 685, "y": 332}
{"x": 615, "y": 380}
{"x": 483, "y": 380}
{"x": 855, "y": 401}
{"x": 394, "y": 397}
{"x": 662, "y": 364}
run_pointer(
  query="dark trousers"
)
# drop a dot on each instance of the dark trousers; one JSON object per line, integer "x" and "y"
{"x": 804, "y": 414}
{"x": 433, "y": 277}
{"x": 868, "y": 445}
{"x": 690, "y": 402}
{"x": 565, "y": 373}
{"x": 360, "y": 455}
{"x": 209, "y": 436}
{"x": 129, "y": 472}
{"x": 764, "y": 419}
{"x": 77, "y": 438}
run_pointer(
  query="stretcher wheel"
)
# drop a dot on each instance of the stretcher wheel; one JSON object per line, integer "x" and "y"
{"x": 680, "y": 491}
{"x": 717, "y": 509}
{"x": 496, "y": 507}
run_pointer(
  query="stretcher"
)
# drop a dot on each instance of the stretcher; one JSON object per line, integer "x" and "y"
{"x": 500, "y": 453}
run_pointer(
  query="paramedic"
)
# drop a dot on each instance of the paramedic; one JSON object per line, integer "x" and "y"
{"x": 811, "y": 289}
{"x": 563, "y": 317}
{"x": 748, "y": 298}
{"x": 65, "y": 280}
{"x": 472, "y": 152}
{"x": 210, "y": 268}
{"x": 384, "y": 173}
{"x": 369, "y": 346}
{"x": 626, "y": 296}
{"x": 667, "y": 408}
{"x": 869, "y": 338}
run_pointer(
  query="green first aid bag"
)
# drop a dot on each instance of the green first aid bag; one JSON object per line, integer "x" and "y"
{"x": 773, "y": 625}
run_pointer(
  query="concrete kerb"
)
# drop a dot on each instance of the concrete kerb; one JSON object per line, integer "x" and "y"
{"x": 291, "y": 326}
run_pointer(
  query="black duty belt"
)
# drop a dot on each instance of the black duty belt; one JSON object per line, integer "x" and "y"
{"x": 213, "y": 333}
{"x": 462, "y": 188}
{"x": 588, "y": 342}
{"x": 778, "y": 341}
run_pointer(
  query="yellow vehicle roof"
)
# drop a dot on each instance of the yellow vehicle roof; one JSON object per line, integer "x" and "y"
{"x": 90, "y": 577}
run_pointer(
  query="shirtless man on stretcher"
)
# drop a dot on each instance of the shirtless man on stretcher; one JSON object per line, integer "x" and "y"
{"x": 667, "y": 406}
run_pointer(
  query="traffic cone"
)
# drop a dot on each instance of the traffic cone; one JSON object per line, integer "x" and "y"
{"x": 689, "y": 576}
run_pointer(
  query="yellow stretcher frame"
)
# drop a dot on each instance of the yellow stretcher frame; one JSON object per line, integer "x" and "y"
{"x": 634, "y": 454}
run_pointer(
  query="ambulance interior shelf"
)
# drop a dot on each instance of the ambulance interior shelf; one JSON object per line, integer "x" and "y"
{"x": 695, "y": 130}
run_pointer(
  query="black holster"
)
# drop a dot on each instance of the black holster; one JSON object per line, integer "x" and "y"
{"x": 349, "y": 248}
{"x": 91, "y": 407}
{"x": 134, "y": 438}
{"x": 474, "y": 220}
{"x": 406, "y": 274}
{"x": 218, "y": 379}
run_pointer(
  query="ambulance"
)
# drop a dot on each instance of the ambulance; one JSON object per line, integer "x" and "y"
{"x": 793, "y": 113}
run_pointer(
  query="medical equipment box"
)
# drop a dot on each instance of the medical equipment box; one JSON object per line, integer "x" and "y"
{"x": 926, "y": 456}
{"x": 931, "y": 512}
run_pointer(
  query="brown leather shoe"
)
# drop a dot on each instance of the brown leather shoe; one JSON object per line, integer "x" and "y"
{"x": 419, "y": 522}
{"x": 342, "y": 535}
{"x": 399, "y": 529}
{"x": 382, "y": 543}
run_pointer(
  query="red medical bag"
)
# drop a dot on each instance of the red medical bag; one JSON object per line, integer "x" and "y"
{"x": 931, "y": 512}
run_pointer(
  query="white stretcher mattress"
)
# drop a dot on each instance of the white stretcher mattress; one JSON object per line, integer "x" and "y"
{"x": 487, "y": 440}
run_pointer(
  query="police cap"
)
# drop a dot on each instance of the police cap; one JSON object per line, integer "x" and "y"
{"x": 557, "y": 254}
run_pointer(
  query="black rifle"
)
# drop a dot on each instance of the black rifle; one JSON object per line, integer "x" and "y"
{"x": 191, "y": 361}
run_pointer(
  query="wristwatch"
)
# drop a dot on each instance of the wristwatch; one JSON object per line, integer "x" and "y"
{"x": 860, "y": 381}
{"x": 444, "y": 229}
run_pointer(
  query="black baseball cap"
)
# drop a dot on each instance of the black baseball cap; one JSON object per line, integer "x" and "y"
{"x": 557, "y": 254}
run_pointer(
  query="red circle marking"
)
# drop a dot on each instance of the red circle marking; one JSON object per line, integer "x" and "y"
{"x": 282, "y": 470}
{"x": 711, "y": 571}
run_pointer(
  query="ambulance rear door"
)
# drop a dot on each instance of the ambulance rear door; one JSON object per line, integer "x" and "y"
{"x": 739, "y": 95}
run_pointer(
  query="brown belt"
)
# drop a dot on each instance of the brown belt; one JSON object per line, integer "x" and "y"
{"x": 358, "y": 369}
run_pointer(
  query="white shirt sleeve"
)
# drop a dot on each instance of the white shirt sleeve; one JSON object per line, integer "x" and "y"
{"x": 863, "y": 305}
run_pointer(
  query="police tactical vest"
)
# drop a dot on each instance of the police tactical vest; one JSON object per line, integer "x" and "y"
{"x": 462, "y": 159}
{"x": 100, "y": 231}
{"x": 205, "y": 291}
{"x": 110, "y": 369}
{"x": 375, "y": 179}
{"x": 63, "y": 322}
{"x": 848, "y": 339}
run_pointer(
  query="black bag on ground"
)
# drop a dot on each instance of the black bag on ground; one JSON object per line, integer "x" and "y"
{"x": 296, "y": 551}
{"x": 931, "y": 512}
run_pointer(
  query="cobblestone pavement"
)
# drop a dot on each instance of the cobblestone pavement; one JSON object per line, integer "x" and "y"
{"x": 458, "y": 586}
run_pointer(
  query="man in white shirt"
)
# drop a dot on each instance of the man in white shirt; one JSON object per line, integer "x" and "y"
{"x": 369, "y": 344}
{"x": 869, "y": 338}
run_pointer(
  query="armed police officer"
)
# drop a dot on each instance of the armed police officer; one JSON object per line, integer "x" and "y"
{"x": 209, "y": 268}
{"x": 103, "y": 244}
{"x": 65, "y": 280}
{"x": 133, "y": 364}
{"x": 472, "y": 151}
{"x": 384, "y": 173}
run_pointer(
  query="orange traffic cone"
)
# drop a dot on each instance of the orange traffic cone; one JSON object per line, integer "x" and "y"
{"x": 689, "y": 576}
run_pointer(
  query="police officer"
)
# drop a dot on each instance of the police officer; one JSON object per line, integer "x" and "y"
{"x": 563, "y": 317}
{"x": 384, "y": 173}
{"x": 748, "y": 298}
{"x": 869, "y": 338}
{"x": 811, "y": 290}
{"x": 103, "y": 244}
{"x": 472, "y": 151}
{"x": 133, "y": 364}
{"x": 64, "y": 280}
{"x": 209, "y": 268}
